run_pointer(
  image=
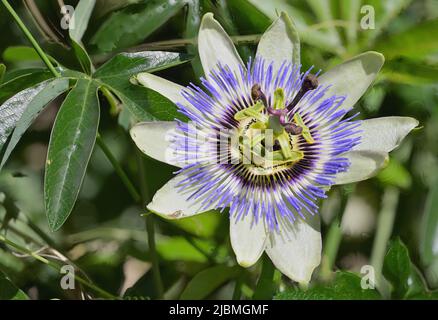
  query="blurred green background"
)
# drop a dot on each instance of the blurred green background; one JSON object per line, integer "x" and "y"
{"x": 105, "y": 235}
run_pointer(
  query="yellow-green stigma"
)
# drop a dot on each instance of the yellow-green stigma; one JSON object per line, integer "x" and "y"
{"x": 266, "y": 139}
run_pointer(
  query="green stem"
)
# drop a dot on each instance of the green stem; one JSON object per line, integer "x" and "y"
{"x": 32, "y": 40}
{"x": 331, "y": 247}
{"x": 332, "y": 242}
{"x": 112, "y": 100}
{"x": 55, "y": 266}
{"x": 237, "y": 293}
{"x": 385, "y": 225}
{"x": 150, "y": 228}
{"x": 265, "y": 286}
{"x": 41, "y": 234}
{"x": 119, "y": 170}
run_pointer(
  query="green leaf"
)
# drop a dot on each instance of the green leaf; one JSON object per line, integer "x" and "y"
{"x": 397, "y": 266}
{"x": 83, "y": 57}
{"x": 133, "y": 24}
{"x": 77, "y": 28}
{"x": 71, "y": 144}
{"x": 103, "y": 7}
{"x": 395, "y": 174}
{"x": 208, "y": 280}
{"x": 20, "y": 53}
{"x": 193, "y": 22}
{"x": 123, "y": 66}
{"x": 398, "y": 269}
{"x": 23, "y": 81}
{"x": 81, "y": 16}
{"x": 429, "y": 237}
{"x": 417, "y": 284}
{"x": 416, "y": 42}
{"x": 12, "y": 110}
{"x": 249, "y": 19}
{"x": 26, "y": 106}
{"x": 143, "y": 103}
{"x": 345, "y": 286}
{"x": 8, "y": 291}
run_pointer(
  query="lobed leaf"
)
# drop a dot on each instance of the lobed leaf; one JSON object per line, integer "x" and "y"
{"x": 123, "y": 66}
{"x": 25, "y": 79}
{"x": 12, "y": 110}
{"x": 143, "y": 103}
{"x": 30, "y": 103}
{"x": 71, "y": 144}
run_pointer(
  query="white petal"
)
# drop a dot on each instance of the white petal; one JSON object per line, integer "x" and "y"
{"x": 171, "y": 203}
{"x": 379, "y": 136}
{"x": 280, "y": 43}
{"x": 363, "y": 165}
{"x": 169, "y": 89}
{"x": 247, "y": 239}
{"x": 384, "y": 134}
{"x": 296, "y": 249}
{"x": 353, "y": 77}
{"x": 153, "y": 139}
{"x": 215, "y": 46}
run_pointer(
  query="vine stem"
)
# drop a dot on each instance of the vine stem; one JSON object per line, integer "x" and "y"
{"x": 32, "y": 40}
{"x": 237, "y": 293}
{"x": 331, "y": 247}
{"x": 55, "y": 266}
{"x": 119, "y": 170}
{"x": 332, "y": 242}
{"x": 385, "y": 225}
{"x": 150, "y": 229}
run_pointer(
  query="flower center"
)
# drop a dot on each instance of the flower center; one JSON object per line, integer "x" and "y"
{"x": 269, "y": 135}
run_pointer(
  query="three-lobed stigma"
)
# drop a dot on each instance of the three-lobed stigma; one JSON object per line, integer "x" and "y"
{"x": 267, "y": 129}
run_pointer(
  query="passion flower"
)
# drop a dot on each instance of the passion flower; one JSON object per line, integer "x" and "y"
{"x": 266, "y": 140}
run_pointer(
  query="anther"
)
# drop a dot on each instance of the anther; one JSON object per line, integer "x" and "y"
{"x": 257, "y": 94}
{"x": 310, "y": 82}
{"x": 293, "y": 128}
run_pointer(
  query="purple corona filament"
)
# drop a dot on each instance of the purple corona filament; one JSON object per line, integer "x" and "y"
{"x": 289, "y": 191}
